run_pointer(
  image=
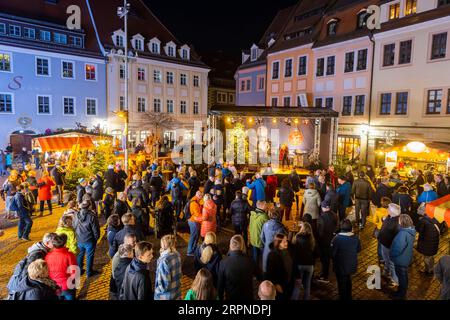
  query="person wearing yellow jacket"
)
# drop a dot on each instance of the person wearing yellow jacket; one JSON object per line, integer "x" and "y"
{"x": 377, "y": 219}
{"x": 65, "y": 227}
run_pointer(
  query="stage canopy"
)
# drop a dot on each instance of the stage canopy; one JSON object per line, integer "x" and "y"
{"x": 267, "y": 111}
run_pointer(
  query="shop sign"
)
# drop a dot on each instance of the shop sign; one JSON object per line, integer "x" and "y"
{"x": 346, "y": 130}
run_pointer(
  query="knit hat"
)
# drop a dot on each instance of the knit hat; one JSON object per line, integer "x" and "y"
{"x": 394, "y": 210}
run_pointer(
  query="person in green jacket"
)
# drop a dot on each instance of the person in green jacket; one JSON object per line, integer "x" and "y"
{"x": 203, "y": 287}
{"x": 257, "y": 219}
{"x": 65, "y": 227}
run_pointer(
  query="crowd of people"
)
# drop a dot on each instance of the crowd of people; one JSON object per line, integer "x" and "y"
{"x": 265, "y": 246}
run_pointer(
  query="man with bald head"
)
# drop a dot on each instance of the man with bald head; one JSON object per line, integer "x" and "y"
{"x": 267, "y": 291}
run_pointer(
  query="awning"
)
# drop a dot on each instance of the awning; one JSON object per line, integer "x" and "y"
{"x": 64, "y": 143}
{"x": 268, "y": 111}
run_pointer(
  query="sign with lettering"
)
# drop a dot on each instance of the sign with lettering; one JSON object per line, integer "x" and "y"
{"x": 374, "y": 19}
{"x": 74, "y": 20}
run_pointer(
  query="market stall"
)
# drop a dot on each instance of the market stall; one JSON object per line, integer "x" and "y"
{"x": 439, "y": 209}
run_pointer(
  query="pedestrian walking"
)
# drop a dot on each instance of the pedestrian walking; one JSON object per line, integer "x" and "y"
{"x": 344, "y": 191}
{"x": 20, "y": 205}
{"x": 240, "y": 210}
{"x": 361, "y": 190}
{"x": 168, "y": 271}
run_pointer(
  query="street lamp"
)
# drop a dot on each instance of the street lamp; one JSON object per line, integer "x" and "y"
{"x": 122, "y": 12}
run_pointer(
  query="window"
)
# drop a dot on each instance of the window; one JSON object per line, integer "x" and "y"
{"x": 359, "y": 105}
{"x": 243, "y": 85}
{"x": 121, "y": 103}
{"x": 196, "y": 81}
{"x": 122, "y": 72}
{"x": 29, "y": 33}
{"x": 347, "y": 106}
{"x": 169, "y": 79}
{"x": 389, "y": 55}
{"x": 42, "y": 67}
{"x": 6, "y": 103}
{"x": 288, "y": 68}
{"x": 362, "y": 60}
{"x": 141, "y": 104}
{"x": 439, "y": 46}
{"x": 302, "y": 65}
{"x": 434, "y": 101}
{"x": 155, "y": 47}
{"x": 69, "y": 106}
{"x": 320, "y": 67}
{"x": 349, "y": 61}
{"x": 76, "y": 41}
{"x": 171, "y": 51}
{"x": 332, "y": 28}
{"x": 287, "y": 101}
{"x": 443, "y": 2}
{"x": 248, "y": 85}
{"x": 183, "y": 107}
{"x": 385, "y": 107}
{"x": 329, "y": 103}
{"x": 195, "y": 108}
{"x": 275, "y": 70}
{"x": 411, "y": 7}
{"x": 169, "y": 106}
{"x": 274, "y": 102}
{"x": 362, "y": 19}
{"x": 157, "y": 105}
{"x": 302, "y": 100}
{"x": 184, "y": 54}
{"x": 91, "y": 107}
{"x": 2, "y": 28}
{"x": 330, "y": 65}
{"x": 157, "y": 76}
{"x": 43, "y": 104}
{"x": 402, "y": 103}
{"x": 141, "y": 74}
{"x": 5, "y": 62}
{"x": 60, "y": 38}
{"x": 261, "y": 83}
{"x": 405, "y": 52}
{"x": 254, "y": 54}
{"x": 90, "y": 72}
{"x": 67, "y": 70}
{"x": 14, "y": 31}
{"x": 183, "y": 79}
{"x": 231, "y": 98}
{"x": 119, "y": 41}
{"x": 138, "y": 44}
{"x": 45, "y": 35}
{"x": 394, "y": 11}
{"x": 318, "y": 102}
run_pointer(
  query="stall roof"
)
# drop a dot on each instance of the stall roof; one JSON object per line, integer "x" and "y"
{"x": 64, "y": 143}
{"x": 268, "y": 111}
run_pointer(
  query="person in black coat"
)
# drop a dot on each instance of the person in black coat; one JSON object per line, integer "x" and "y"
{"x": 139, "y": 202}
{"x": 383, "y": 190}
{"x": 156, "y": 187}
{"x": 208, "y": 256}
{"x": 209, "y": 184}
{"x": 326, "y": 229}
{"x": 237, "y": 183}
{"x": 97, "y": 190}
{"x": 236, "y": 273}
{"x": 388, "y": 231}
{"x": 229, "y": 195}
{"x": 137, "y": 284}
{"x": 165, "y": 217}
{"x": 126, "y": 254}
{"x": 108, "y": 202}
{"x": 128, "y": 221}
{"x": 59, "y": 176}
{"x": 295, "y": 183}
{"x": 332, "y": 198}
{"x": 428, "y": 242}
{"x": 280, "y": 267}
{"x": 286, "y": 197}
{"x": 345, "y": 248}
{"x": 121, "y": 206}
{"x": 419, "y": 182}
{"x": 403, "y": 199}
{"x": 240, "y": 211}
{"x": 121, "y": 178}
{"x": 441, "y": 188}
{"x": 111, "y": 178}
{"x": 81, "y": 189}
{"x": 194, "y": 184}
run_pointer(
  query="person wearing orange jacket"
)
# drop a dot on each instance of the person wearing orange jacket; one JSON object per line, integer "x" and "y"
{"x": 195, "y": 208}
{"x": 45, "y": 185}
{"x": 208, "y": 216}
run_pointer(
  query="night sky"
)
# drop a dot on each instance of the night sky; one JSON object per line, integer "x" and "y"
{"x": 212, "y": 25}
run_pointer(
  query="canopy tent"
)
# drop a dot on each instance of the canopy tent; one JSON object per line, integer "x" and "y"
{"x": 433, "y": 151}
{"x": 64, "y": 143}
{"x": 439, "y": 209}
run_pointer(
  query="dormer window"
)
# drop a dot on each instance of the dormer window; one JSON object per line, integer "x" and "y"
{"x": 332, "y": 27}
{"x": 118, "y": 38}
{"x": 138, "y": 42}
{"x": 254, "y": 52}
{"x": 362, "y": 19}
{"x": 154, "y": 46}
{"x": 185, "y": 52}
{"x": 170, "y": 49}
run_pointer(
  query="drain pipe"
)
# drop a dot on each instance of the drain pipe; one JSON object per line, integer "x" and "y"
{"x": 371, "y": 38}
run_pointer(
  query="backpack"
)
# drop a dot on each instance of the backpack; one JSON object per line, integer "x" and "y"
{"x": 187, "y": 211}
{"x": 20, "y": 272}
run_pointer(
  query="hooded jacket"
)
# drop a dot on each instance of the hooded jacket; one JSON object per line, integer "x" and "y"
{"x": 71, "y": 238}
{"x": 427, "y": 196}
{"x": 137, "y": 195}
{"x": 332, "y": 198}
{"x": 257, "y": 220}
{"x": 119, "y": 274}
{"x": 269, "y": 230}
{"x": 311, "y": 200}
{"x": 28, "y": 289}
{"x": 389, "y": 230}
{"x": 208, "y": 218}
{"x": 81, "y": 191}
{"x": 85, "y": 224}
{"x": 344, "y": 251}
{"x": 45, "y": 191}
{"x": 428, "y": 242}
{"x": 239, "y": 211}
{"x": 136, "y": 284}
{"x": 258, "y": 186}
{"x": 401, "y": 251}
{"x": 58, "y": 261}
{"x": 345, "y": 192}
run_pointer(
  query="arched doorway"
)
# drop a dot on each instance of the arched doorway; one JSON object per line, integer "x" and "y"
{"x": 20, "y": 139}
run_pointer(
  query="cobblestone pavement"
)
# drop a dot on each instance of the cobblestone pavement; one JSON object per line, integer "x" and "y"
{"x": 12, "y": 250}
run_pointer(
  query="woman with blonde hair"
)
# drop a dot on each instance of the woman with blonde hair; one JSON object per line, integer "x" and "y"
{"x": 208, "y": 256}
{"x": 203, "y": 287}
{"x": 168, "y": 271}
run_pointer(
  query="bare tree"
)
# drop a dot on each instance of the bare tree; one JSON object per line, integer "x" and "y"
{"x": 157, "y": 120}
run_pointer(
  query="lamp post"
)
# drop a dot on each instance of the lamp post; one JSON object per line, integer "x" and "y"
{"x": 122, "y": 12}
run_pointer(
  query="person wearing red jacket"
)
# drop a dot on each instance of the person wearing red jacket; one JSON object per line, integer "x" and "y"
{"x": 62, "y": 265}
{"x": 272, "y": 185}
{"x": 45, "y": 184}
{"x": 208, "y": 216}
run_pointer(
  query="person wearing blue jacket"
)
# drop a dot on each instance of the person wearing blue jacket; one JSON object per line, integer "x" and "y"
{"x": 344, "y": 191}
{"x": 258, "y": 187}
{"x": 268, "y": 232}
{"x": 176, "y": 187}
{"x": 427, "y": 195}
{"x": 25, "y": 222}
{"x": 401, "y": 253}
